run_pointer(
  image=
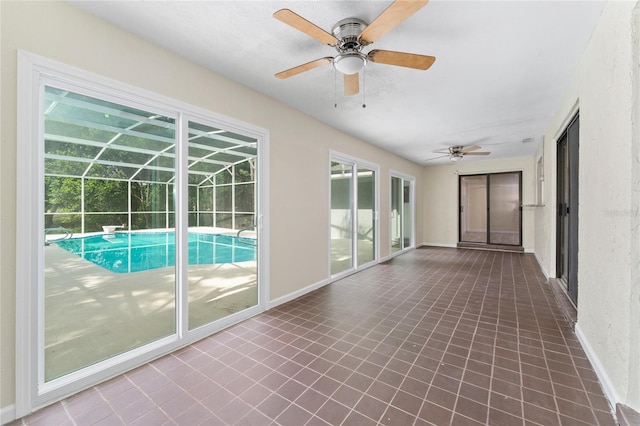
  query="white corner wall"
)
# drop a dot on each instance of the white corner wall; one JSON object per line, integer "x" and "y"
{"x": 299, "y": 146}
{"x": 440, "y": 197}
{"x": 605, "y": 91}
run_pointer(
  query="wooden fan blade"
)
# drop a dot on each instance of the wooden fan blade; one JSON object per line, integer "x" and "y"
{"x": 351, "y": 84}
{"x": 470, "y": 148}
{"x": 408, "y": 60}
{"x": 301, "y": 24}
{"x": 435, "y": 158}
{"x": 304, "y": 67}
{"x": 392, "y": 16}
{"x": 477, "y": 153}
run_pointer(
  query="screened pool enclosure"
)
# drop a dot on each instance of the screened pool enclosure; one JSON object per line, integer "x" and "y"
{"x": 112, "y": 169}
{"x": 106, "y": 164}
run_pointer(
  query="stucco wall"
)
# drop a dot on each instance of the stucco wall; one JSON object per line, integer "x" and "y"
{"x": 440, "y": 197}
{"x": 299, "y": 153}
{"x": 604, "y": 90}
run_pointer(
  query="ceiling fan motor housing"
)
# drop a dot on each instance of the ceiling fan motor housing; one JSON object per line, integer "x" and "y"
{"x": 349, "y": 59}
{"x": 347, "y": 32}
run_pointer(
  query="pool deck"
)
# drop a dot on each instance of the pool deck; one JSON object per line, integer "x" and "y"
{"x": 92, "y": 313}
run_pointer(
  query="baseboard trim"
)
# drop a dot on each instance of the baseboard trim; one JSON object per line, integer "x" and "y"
{"x": 605, "y": 382}
{"x": 446, "y": 245}
{"x": 627, "y": 416}
{"x": 544, "y": 271}
{"x": 7, "y": 414}
{"x": 298, "y": 293}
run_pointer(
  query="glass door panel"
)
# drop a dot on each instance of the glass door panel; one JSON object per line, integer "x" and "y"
{"x": 563, "y": 216}
{"x": 366, "y": 215}
{"x": 341, "y": 217}
{"x": 106, "y": 290}
{"x": 504, "y": 207}
{"x": 222, "y": 238}
{"x": 407, "y": 212}
{"x": 396, "y": 214}
{"x": 473, "y": 209}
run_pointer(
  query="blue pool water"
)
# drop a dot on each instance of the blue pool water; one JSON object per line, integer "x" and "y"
{"x": 124, "y": 252}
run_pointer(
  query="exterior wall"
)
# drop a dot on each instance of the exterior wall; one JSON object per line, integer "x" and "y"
{"x": 299, "y": 145}
{"x": 604, "y": 89}
{"x": 440, "y": 197}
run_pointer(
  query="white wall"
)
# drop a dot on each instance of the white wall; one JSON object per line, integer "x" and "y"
{"x": 299, "y": 155}
{"x": 440, "y": 197}
{"x": 605, "y": 90}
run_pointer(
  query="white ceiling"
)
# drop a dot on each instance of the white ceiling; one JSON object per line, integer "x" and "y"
{"x": 501, "y": 68}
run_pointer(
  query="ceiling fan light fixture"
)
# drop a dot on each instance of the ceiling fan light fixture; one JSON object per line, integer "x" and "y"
{"x": 455, "y": 157}
{"x": 349, "y": 63}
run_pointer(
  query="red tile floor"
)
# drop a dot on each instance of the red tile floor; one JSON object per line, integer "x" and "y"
{"x": 435, "y": 336}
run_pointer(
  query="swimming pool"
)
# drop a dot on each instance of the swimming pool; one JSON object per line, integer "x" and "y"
{"x": 125, "y": 252}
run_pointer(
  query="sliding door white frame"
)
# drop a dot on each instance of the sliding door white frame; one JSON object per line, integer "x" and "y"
{"x": 411, "y": 180}
{"x": 34, "y": 72}
{"x": 355, "y": 163}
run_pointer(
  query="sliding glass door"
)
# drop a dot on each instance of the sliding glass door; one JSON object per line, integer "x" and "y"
{"x": 223, "y": 265}
{"x": 366, "y": 212}
{"x": 144, "y": 223}
{"x": 473, "y": 209}
{"x": 353, "y": 222}
{"x": 401, "y": 215}
{"x": 105, "y": 294}
{"x": 490, "y": 210}
{"x": 341, "y": 233}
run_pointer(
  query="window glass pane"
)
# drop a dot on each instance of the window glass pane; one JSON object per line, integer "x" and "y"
{"x": 107, "y": 290}
{"x": 504, "y": 208}
{"x": 407, "y": 211}
{"x": 341, "y": 217}
{"x": 396, "y": 214}
{"x": 222, "y": 267}
{"x": 473, "y": 209}
{"x": 366, "y": 212}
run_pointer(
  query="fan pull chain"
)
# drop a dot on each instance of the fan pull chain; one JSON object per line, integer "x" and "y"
{"x": 364, "y": 88}
{"x": 335, "y": 88}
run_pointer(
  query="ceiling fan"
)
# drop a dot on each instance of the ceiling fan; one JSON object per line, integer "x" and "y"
{"x": 349, "y": 36}
{"x": 455, "y": 153}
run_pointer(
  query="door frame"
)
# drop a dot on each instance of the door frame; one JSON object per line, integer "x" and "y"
{"x": 355, "y": 163}
{"x": 488, "y": 176}
{"x": 33, "y": 72}
{"x": 412, "y": 211}
{"x": 571, "y": 137}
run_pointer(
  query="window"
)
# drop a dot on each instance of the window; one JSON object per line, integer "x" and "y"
{"x": 353, "y": 214}
{"x": 402, "y": 208}
{"x": 540, "y": 181}
{"x": 141, "y": 217}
